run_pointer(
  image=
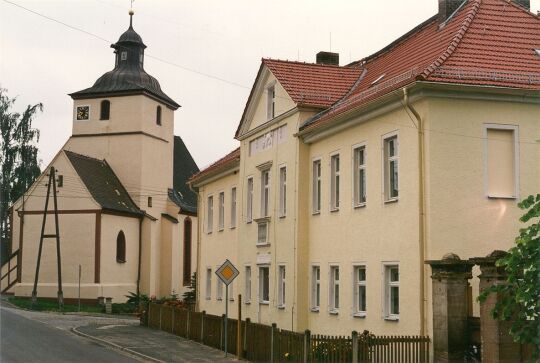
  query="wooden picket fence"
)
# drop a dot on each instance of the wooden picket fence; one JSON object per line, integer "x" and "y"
{"x": 263, "y": 343}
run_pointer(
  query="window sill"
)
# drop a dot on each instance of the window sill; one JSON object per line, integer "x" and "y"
{"x": 333, "y": 312}
{"x": 282, "y": 217}
{"x": 219, "y": 299}
{"x": 316, "y": 213}
{"x": 391, "y": 318}
{"x": 334, "y": 210}
{"x": 314, "y": 310}
{"x": 247, "y": 302}
{"x": 389, "y": 201}
{"x": 249, "y": 222}
{"x": 208, "y": 232}
{"x": 220, "y": 230}
{"x": 232, "y": 227}
{"x": 264, "y": 302}
{"x": 120, "y": 261}
{"x": 231, "y": 300}
{"x": 501, "y": 197}
{"x": 281, "y": 307}
{"x": 358, "y": 206}
{"x": 208, "y": 298}
{"x": 267, "y": 244}
{"x": 360, "y": 315}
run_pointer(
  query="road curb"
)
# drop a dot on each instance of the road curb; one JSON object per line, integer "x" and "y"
{"x": 115, "y": 346}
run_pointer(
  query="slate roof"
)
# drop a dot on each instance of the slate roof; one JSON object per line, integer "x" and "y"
{"x": 487, "y": 43}
{"x": 218, "y": 166}
{"x": 102, "y": 183}
{"x": 127, "y": 77}
{"x": 183, "y": 168}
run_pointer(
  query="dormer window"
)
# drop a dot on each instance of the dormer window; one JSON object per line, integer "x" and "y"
{"x": 158, "y": 116}
{"x": 271, "y": 102}
{"x": 123, "y": 55}
{"x": 105, "y": 110}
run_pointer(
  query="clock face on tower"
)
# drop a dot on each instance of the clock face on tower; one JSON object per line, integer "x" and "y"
{"x": 83, "y": 112}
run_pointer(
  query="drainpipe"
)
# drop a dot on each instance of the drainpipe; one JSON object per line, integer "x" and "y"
{"x": 421, "y": 208}
{"x": 198, "y": 286}
{"x": 140, "y": 256}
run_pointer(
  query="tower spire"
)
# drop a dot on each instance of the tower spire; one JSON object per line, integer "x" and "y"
{"x": 131, "y": 12}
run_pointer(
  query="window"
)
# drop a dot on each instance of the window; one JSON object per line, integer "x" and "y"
{"x": 271, "y": 102}
{"x": 233, "y": 207}
{"x": 158, "y": 116}
{"x": 282, "y": 191}
{"x": 208, "y": 283}
{"x": 262, "y": 232}
{"x": 121, "y": 247}
{"x": 502, "y": 150}
{"x": 391, "y": 168}
{"x": 247, "y": 286}
{"x": 249, "y": 199}
{"x": 105, "y": 110}
{"x": 334, "y": 182}
{"x": 334, "y": 289}
{"x": 60, "y": 181}
{"x": 221, "y": 215}
{"x": 316, "y": 186}
{"x": 359, "y": 291}
{"x": 149, "y": 202}
{"x": 264, "y": 284}
{"x": 359, "y": 175}
{"x": 210, "y": 214}
{"x": 265, "y": 192}
{"x": 231, "y": 291}
{"x": 187, "y": 252}
{"x": 219, "y": 289}
{"x": 391, "y": 278}
{"x": 315, "y": 288}
{"x": 123, "y": 56}
{"x": 281, "y": 287}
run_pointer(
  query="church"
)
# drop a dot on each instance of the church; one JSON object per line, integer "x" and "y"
{"x": 127, "y": 220}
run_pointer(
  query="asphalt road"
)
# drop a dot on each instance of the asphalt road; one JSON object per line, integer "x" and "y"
{"x": 25, "y": 340}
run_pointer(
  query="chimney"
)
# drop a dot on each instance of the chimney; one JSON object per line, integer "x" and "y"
{"x": 328, "y": 58}
{"x": 447, "y": 8}
{"x": 524, "y": 3}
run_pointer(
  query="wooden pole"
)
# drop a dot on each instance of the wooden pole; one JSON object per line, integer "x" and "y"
{"x": 239, "y": 329}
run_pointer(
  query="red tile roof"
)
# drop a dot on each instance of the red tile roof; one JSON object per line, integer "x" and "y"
{"x": 221, "y": 164}
{"x": 487, "y": 42}
{"x": 313, "y": 84}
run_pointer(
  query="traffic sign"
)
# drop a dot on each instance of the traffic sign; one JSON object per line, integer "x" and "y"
{"x": 227, "y": 272}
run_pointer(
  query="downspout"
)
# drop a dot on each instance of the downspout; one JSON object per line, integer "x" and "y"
{"x": 140, "y": 256}
{"x": 197, "y": 287}
{"x": 421, "y": 209}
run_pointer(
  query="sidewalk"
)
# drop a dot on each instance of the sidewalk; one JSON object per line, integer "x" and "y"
{"x": 152, "y": 345}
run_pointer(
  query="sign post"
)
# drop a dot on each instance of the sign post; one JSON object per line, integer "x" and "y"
{"x": 227, "y": 273}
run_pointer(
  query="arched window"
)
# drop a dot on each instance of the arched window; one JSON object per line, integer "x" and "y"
{"x": 121, "y": 247}
{"x": 187, "y": 252}
{"x": 158, "y": 115}
{"x": 105, "y": 110}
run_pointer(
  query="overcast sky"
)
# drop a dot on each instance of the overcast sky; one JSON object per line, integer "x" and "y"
{"x": 210, "y": 52}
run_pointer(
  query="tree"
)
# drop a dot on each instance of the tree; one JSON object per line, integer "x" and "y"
{"x": 519, "y": 295}
{"x": 19, "y": 165}
{"x": 191, "y": 295}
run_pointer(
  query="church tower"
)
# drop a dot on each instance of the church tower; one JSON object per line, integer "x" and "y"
{"x": 126, "y": 119}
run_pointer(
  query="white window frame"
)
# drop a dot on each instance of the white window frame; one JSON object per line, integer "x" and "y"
{"x": 271, "y": 101}
{"x": 231, "y": 291}
{"x": 233, "y": 207}
{"x": 333, "y": 305}
{"x": 208, "y": 293}
{"x": 357, "y": 284}
{"x": 386, "y": 159}
{"x": 281, "y": 286}
{"x": 515, "y": 129}
{"x": 282, "y": 191}
{"x": 249, "y": 199}
{"x": 316, "y": 185}
{"x": 358, "y": 182}
{"x": 263, "y": 223}
{"x": 221, "y": 211}
{"x": 315, "y": 288}
{"x": 247, "y": 284}
{"x": 335, "y": 179}
{"x": 261, "y": 284}
{"x": 387, "y": 314}
{"x": 265, "y": 192}
{"x": 219, "y": 288}
{"x": 209, "y": 214}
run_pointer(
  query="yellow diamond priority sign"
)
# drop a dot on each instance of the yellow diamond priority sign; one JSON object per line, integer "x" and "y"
{"x": 227, "y": 272}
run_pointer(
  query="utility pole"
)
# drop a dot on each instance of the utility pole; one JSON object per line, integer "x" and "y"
{"x": 52, "y": 182}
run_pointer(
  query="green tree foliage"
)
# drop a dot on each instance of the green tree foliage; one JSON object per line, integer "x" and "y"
{"x": 519, "y": 296}
{"x": 19, "y": 165}
{"x": 191, "y": 295}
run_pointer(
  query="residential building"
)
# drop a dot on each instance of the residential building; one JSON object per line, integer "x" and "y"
{"x": 127, "y": 219}
{"x": 348, "y": 178}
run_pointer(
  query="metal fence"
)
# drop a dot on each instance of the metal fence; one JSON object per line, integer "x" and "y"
{"x": 263, "y": 343}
